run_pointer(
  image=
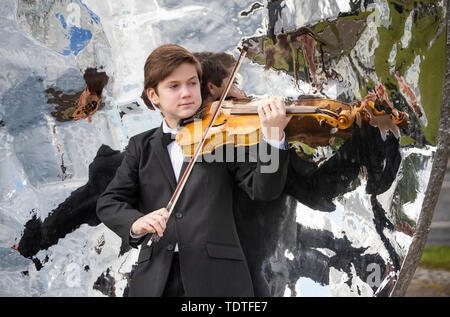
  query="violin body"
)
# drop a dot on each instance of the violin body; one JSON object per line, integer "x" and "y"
{"x": 237, "y": 129}
{"x": 315, "y": 121}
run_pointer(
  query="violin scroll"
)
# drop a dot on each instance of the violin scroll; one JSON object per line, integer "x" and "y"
{"x": 345, "y": 119}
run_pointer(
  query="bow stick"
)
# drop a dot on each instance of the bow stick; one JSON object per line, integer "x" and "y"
{"x": 176, "y": 194}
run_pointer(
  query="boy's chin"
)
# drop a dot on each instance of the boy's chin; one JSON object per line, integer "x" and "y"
{"x": 187, "y": 113}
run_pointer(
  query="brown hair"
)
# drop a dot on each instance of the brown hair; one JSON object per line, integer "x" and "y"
{"x": 95, "y": 80}
{"x": 215, "y": 67}
{"x": 161, "y": 63}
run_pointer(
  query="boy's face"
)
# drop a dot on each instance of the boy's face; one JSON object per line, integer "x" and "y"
{"x": 234, "y": 91}
{"x": 178, "y": 94}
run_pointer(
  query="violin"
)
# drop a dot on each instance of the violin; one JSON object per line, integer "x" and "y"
{"x": 238, "y": 122}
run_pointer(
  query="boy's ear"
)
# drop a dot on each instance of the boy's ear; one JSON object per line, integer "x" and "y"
{"x": 212, "y": 89}
{"x": 153, "y": 96}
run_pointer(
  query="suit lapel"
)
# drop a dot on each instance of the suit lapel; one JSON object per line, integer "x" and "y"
{"x": 183, "y": 168}
{"x": 163, "y": 157}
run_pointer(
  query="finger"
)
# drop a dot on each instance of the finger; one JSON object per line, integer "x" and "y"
{"x": 269, "y": 110}
{"x": 148, "y": 228}
{"x": 157, "y": 226}
{"x": 275, "y": 111}
{"x": 143, "y": 228}
{"x": 158, "y": 213}
{"x": 162, "y": 221}
{"x": 262, "y": 115}
{"x": 279, "y": 106}
{"x": 282, "y": 106}
{"x": 157, "y": 220}
{"x": 165, "y": 213}
{"x": 261, "y": 111}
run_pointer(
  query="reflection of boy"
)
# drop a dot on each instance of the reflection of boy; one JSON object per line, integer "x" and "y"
{"x": 313, "y": 185}
{"x": 199, "y": 252}
{"x": 216, "y": 69}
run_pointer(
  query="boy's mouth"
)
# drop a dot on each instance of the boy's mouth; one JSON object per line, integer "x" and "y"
{"x": 187, "y": 104}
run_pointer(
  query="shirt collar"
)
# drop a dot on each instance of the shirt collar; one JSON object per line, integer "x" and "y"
{"x": 167, "y": 129}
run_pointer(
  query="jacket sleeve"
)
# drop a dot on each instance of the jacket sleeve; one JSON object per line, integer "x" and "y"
{"x": 117, "y": 205}
{"x": 262, "y": 173}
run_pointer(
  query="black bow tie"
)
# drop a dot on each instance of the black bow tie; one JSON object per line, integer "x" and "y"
{"x": 167, "y": 138}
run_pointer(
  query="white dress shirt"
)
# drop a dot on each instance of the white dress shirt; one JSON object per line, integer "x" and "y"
{"x": 175, "y": 152}
{"x": 177, "y": 159}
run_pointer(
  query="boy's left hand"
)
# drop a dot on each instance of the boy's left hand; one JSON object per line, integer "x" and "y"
{"x": 272, "y": 115}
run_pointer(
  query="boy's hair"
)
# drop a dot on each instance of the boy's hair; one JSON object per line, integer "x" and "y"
{"x": 161, "y": 63}
{"x": 95, "y": 80}
{"x": 215, "y": 67}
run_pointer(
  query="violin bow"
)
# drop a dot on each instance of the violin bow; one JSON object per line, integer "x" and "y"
{"x": 176, "y": 194}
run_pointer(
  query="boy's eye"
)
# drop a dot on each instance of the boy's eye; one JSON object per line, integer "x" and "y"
{"x": 173, "y": 86}
{"x": 193, "y": 83}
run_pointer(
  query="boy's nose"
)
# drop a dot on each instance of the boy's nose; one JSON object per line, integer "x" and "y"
{"x": 185, "y": 91}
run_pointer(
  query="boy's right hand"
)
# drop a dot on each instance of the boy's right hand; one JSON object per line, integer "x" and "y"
{"x": 151, "y": 223}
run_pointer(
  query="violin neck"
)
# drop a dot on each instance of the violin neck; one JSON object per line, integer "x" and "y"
{"x": 290, "y": 110}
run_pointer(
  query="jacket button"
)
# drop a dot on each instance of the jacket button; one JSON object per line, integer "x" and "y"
{"x": 170, "y": 247}
{"x": 179, "y": 215}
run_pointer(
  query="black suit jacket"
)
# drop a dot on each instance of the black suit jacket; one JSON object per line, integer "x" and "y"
{"x": 211, "y": 258}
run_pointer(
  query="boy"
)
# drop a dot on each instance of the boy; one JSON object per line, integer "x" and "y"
{"x": 199, "y": 252}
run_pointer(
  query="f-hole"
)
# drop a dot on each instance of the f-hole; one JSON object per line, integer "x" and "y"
{"x": 220, "y": 123}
